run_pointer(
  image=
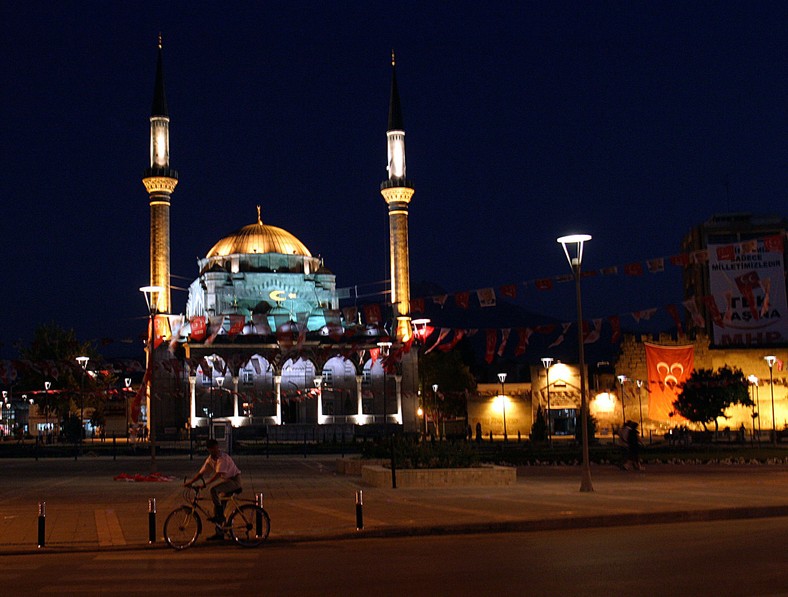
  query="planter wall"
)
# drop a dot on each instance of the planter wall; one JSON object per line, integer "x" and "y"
{"x": 378, "y": 476}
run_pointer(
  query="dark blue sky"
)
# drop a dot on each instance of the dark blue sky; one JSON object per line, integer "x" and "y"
{"x": 524, "y": 121}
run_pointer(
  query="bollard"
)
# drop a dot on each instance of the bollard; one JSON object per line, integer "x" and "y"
{"x": 359, "y": 511}
{"x": 259, "y": 515}
{"x": 114, "y": 448}
{"x": 42, "y": 523}
{"x": 151, "y": 520}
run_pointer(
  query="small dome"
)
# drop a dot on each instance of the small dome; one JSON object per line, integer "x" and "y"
{"x": 259, "y": 238}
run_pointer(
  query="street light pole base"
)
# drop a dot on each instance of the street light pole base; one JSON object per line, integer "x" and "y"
{"x": 585, "y": 482}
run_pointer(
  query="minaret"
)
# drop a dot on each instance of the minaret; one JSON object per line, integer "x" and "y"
{"x": 160, "y": 180}
{"x": 397, "y": 191}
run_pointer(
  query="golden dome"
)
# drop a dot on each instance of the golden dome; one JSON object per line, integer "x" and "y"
{"x": 259, "y": 238}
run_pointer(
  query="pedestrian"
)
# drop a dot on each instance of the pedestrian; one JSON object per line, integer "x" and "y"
{"x": 633, "y": 445}
{"x": 478, "y": 433}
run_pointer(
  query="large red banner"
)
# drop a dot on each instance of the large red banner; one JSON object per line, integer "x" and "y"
{"x": 668, "y": 367}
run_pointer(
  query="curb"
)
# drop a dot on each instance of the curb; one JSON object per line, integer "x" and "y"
{"x": 515, "y": 526}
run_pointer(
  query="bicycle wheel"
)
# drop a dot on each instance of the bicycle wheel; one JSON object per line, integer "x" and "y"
{"x": 250, "y": 525}
{"x": 182, "y": 528}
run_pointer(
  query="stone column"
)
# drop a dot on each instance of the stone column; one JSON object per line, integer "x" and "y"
{"x": 360, "y": 414}
{"x": 398, "y": 391}
{"x": 278, "y": 391}
{"x": 192, "y": 400}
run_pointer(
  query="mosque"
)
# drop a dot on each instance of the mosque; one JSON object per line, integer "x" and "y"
{"x": 263, "y": 344}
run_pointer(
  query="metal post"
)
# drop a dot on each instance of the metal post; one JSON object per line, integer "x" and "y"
{"x": 259, "y": 515}
{"x": 42, "y": 523}
{"x": 151, "y": 520}
{"x": 359, "y": 511}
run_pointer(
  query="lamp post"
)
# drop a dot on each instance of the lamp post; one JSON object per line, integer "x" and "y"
{"x": 318, "y": 381}
{"x": 435, "y": 407}
{"x": 220, "y": 381}
{"x": 639, "y": 383}
{"x": 384, "y": 352}
{"x": 126, "y": 381}
{"x": 771, "y": 360}
{"x": 152, "y": 294}
{"x": 2, "y": 405}
{"x": 754, "y": 381}
{"x": 621, "y": 380}
{"x": 83, "y": 362}
{"x": 546, "y": 363}
{"x": 47, "y": 385}
{"x": 502, "y": 379}
{"x": 573, "y": 249}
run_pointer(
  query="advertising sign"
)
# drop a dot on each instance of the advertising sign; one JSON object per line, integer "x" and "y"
{"x": 747, "y": 283}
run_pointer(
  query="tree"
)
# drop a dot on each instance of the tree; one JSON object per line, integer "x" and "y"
{"x": 454, "y": 379}
{"x": 706, "y": 395}
{"x": 539, "y": 428}
{"x": 51, "y": 356}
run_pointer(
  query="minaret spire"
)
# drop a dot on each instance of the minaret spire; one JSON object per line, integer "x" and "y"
{"x": 160, "y": 180}
{"x": 397, "y": 191}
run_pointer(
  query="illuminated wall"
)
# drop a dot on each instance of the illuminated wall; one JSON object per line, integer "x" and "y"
{"x": 487, "y": 408}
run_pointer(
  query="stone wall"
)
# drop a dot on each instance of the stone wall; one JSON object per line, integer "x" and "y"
{"x": 632, "y": 363}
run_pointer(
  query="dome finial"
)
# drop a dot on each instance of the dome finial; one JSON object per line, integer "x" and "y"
{"x": 393, "y": 58}
{"x": 259, "y": 220}
{"x": 160, "y": 40}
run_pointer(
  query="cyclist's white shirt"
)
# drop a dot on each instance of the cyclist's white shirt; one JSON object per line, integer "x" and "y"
{"x": 224, "y": 465}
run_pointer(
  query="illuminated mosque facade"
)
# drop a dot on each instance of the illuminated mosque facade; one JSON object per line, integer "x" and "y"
{"x": 262, "y": 341}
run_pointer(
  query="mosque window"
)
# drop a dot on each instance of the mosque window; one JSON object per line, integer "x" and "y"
{"x": 328, "y": 378}
{"x": 366, "y": 377}
{"x": 247, "y": 378}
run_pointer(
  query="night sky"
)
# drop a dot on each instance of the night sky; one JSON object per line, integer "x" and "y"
{"x": 629, "y": 121}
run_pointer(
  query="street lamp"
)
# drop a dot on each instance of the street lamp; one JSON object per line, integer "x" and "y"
{"x": 83, "y": 362}
{"x": 502, "y": 379}
{"x": 573, "y": 249}
{"x": 771, "y": 360}
{"x": 753, "y": 379}
{"x": 220, "y": 381}
{"x": 384, "y": 352}
{"x": 152, "y": 294}
{"x": 435, "y": 408}
{"x": 47, "y": 385}
{"x": 546, "y": 362}
{"x": 621, "y": 380}
{"x": 318, "y": 381}
{"x": 639, "y": 382}
{"x": 126, "y": 381}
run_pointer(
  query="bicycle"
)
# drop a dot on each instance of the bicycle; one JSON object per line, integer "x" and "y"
{"x": 248, "y": 524}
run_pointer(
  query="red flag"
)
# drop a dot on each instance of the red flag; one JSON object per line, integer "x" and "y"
{"x": 655, "y": 266}
{"x": 350, "y": 314}
{"x": 523, "y": 334}
{"x": 564, "y": 329}
{"x": 680, "y": 260}
{"x": 462, "y": 299}
{"x": 726, "y": 253}
{"x": 634, "y": 269}
{"x": 773, "y": 244}
{"x": 609, "y": 271}
{"x": 668, "y": 367}
{"x": 199, "y": 328}
{"x": 372, "y": 313}
{"x": 214, "y": 327}
{"x": 162, "y": 329}
{"x": 711, "y": 306}
{"x": 592, "y": 335}
{"x": 504, "y": 339}
{"x": 697, "y": 319}
{"x": 443, "y": 333}
{"x": 458, "y": 335}
{"x": 492, "y": 337}
{"x": 746, "y": 283}
{"x": 544, "y": 284}
{"x": 615, "y": 324}
{"x": 509, "y": 291}
{"x": 236, "y": 325}
{"x": 674, "y": 314}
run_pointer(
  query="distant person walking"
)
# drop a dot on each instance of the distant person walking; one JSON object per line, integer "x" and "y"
{"x": 632, "y": 438}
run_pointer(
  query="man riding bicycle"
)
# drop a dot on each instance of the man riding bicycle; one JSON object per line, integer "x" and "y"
{"x": 226, "y": 472}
